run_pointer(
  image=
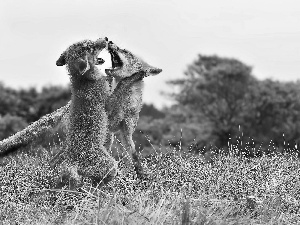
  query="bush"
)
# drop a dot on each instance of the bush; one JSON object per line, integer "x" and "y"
{"x": 11, "y": 124}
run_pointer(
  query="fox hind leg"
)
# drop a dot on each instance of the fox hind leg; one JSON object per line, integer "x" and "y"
{"x": 127, "y": 129}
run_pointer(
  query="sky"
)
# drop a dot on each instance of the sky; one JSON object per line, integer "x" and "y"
{"x": 168, "y": 34}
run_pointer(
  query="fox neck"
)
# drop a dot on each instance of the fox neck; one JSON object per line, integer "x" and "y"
{"x": 135, "y": 80}
{"x": 88, "y": 89}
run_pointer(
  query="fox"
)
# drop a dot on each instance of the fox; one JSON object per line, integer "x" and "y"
{"x": 86, "y": 156}
{"x": 122, "y": 106}
{"x": 125, "y": 103}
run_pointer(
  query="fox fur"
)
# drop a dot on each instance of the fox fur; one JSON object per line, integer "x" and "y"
{"x": 85, "y": 153}
{"x": 124, "y": 104}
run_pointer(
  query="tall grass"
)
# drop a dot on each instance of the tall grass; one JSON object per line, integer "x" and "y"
{"x": 181, "y": 189}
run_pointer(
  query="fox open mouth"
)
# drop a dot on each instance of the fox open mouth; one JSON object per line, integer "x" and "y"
{"x": 116, "y": 62}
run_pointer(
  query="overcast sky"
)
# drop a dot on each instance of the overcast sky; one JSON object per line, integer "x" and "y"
{"x": 168, "y": 34}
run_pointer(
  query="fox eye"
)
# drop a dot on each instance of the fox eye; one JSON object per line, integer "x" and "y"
{"x": 100, "y": 61}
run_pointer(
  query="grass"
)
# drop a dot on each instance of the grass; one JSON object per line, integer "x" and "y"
{"x": 182, "y": 189}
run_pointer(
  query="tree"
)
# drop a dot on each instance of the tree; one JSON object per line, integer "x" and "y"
{"x": 10, "y": 125}
{"x": 50, "y": 99}
{"x": 275, "y": 114}
{"x": 151, "y": 111}
{"x": 215, "y": 90}
{"x": 9, "y": 101}
{"x": 222, "y": 96}
{"x": 31, "y": 104}
{"x": 18, "y": 108}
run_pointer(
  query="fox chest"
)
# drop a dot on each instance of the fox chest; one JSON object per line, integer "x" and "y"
{"x": 133, "y": 101}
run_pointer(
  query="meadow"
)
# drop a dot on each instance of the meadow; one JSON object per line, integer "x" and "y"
{"x": 181, "y": 189}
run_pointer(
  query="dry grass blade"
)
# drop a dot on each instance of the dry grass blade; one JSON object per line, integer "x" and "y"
{"x": 185, "y": 217}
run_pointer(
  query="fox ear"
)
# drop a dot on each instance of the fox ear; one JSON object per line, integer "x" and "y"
{"x": 154, "y": 71}
{"x": 61, "y": 60}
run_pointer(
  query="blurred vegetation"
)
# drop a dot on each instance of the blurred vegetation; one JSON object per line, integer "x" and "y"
{"x": 222, "y": 96}
{"x": 219, "y": 103}
{"x": 19, "y": 108}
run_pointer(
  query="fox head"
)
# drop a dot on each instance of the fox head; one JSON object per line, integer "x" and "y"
{"x": 81, "y": 58}
{"x": 124, "y": 63}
